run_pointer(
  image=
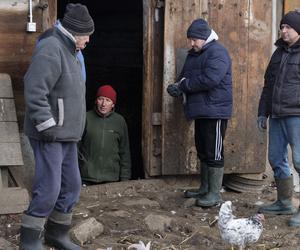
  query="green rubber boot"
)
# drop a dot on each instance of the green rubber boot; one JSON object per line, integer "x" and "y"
{"x": 283, "y": 204}
{"x": 213, "y": 197}
{"x": 197, "y": 193}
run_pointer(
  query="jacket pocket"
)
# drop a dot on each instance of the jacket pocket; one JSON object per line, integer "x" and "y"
{"x": 292, "y": 74}
{"x": 60, "y": 103}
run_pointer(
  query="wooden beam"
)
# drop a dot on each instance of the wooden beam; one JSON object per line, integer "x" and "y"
{"x": 10, "y": 154}
{"x": 3, "y": 177}
{"x": 17, "y": 176}
{"x": 7, "y": 110}
{"x": 5, "y": 86}
{"x": 13, "y": 200}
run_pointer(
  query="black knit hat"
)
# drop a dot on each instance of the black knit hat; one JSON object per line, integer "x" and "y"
{"x": 292, "y": 19}
{"x": 199, "y": 29}
{"x": 77, "y": 20}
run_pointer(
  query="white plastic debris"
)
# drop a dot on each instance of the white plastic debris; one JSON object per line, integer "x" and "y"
{"x": 259, "y": 203}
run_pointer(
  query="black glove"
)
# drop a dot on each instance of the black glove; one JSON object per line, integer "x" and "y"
{"x": 173, "y": 90}
{"x": 47, "y": 136}
{"x": 262, "y": 123}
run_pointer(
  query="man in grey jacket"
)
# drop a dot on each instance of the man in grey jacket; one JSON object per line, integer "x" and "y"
{"x": 280, "y": 103}
{"x": 54, "y": 90}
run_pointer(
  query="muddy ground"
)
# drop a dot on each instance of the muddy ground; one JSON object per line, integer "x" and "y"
{"x": 128, "y": 212}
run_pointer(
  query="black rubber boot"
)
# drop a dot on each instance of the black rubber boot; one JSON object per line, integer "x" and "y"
{"x": 31, "y": 233}
{"x": 283, "y": 204}
{"x": 57, "y": 231}
{"x": 213, "y": 197}
{"x": 197, "y": 193}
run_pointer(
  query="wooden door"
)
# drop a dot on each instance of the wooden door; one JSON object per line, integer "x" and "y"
{"x": 244, "y": 27}
{"x": 178, "y": 151}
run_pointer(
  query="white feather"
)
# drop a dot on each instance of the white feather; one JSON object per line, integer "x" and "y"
{"x": 140, "y": 246}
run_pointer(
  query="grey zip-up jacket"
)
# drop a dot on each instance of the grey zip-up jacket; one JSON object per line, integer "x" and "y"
{"x": 54, "y": 90}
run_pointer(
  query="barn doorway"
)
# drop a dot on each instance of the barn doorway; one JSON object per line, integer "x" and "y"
{"x": 115, "y": 56}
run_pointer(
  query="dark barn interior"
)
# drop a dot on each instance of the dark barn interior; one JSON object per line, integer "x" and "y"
{"x": 115, "y": 56}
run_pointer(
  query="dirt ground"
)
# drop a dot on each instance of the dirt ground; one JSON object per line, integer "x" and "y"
{"x": 125, "y": 211}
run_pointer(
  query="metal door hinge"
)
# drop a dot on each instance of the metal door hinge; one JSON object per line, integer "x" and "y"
{"x": 159, "y": 5}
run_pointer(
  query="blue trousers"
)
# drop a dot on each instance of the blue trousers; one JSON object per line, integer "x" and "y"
{"x": 283, "y": 132}
{"x": 57, "y": 181}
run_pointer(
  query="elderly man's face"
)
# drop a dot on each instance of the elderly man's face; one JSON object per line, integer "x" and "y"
{"x": 81, "y": 42}
{"x": 288, "y": 34}
{"x": 196, "y": 43}
{"x": 104, "y": 105}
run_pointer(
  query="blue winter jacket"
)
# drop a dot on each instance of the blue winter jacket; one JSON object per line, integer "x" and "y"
{"x": 208, "y": 83}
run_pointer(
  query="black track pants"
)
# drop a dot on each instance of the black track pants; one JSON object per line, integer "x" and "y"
{"x": 209, "y": 137}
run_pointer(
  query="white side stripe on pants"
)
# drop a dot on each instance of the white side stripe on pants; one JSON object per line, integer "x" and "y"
{"x": 218, "y": 145}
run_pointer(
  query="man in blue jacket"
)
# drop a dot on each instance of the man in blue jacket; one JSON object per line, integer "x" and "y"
{"x": 206, "y": 85}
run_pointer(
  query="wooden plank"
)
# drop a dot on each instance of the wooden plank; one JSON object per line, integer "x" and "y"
{"x": 178, "y": 151}
{"x": 223, "y": 24}
{"x": 260, "y": 38}
{"x": 13, "y": 200}
{"x": 152, "y": 86}
{"x": 9, "y": 132}
{"x": 245, "y": 30}
{"x": 4, "y": 177}
{"x": 17, "y": 176}
{"x": 18, "y": 47}
{"x": 245, "y": 147}
{"x": 14, "y": 17}
{"x": 49, "y": 13}
{"x": 291, "y": 5}
{"x": 7, "y": 110}
{"x": 10, "y": 154}
{"x": 1, "y": 182}
{"x": 5, "y": 86}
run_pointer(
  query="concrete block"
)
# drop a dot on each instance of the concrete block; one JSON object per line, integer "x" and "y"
{"x": 86, "y": 230}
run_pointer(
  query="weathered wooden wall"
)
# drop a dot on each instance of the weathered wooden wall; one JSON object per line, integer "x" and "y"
{"x": 291, "y": 5}
{"x": 178, "y": 151}
{"x": 244, "y": 27}
{"x": 16, "y": 45}
{"x": 245, "y": 30}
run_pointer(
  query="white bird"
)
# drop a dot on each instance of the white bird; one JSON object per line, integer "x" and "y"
{"x": 140, "y": 246}
{"x": 239, "y": 232}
